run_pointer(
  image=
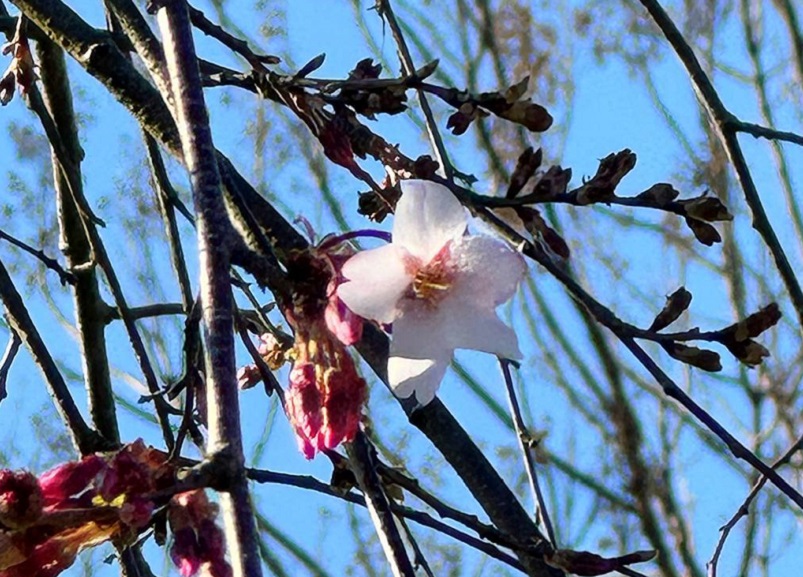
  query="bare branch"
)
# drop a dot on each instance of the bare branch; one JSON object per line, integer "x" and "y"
{"x": 744, "y": 508}
{"x": 12, "y": 348}
{"x": 541, "y": 513}
{"x": 66, "y": 277}
{"x": 214, "y": 245}
{"x": 723, "y": 120}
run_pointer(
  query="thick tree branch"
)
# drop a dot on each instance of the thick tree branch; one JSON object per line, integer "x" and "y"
{"x": 214, "y": 245}
{"x": 88, "y": 303}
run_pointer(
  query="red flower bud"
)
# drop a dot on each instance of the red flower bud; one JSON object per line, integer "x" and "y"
{"x": 20, "y": 499}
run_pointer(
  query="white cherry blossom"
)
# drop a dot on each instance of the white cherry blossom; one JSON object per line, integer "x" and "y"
{"x": 438, "y": 286}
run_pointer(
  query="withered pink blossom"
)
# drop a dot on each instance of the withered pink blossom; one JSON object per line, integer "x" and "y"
{"x": 326, "y": 394}
{"x": 438, "y": 287}
{"x": 46, "y": 522}
{"x": 198, "y": 544}
{"x": 69, "y": 479}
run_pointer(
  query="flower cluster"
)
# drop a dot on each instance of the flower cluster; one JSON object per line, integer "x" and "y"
{"x": 326, "y": 394}
{"x": 45, "y": 522}
{"x": 438, "y": 287}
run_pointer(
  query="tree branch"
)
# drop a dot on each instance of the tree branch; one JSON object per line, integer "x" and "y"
{"x": 363, "y": 466}
{"x": 84, "y": 439}
{"x": 214, "y": 245}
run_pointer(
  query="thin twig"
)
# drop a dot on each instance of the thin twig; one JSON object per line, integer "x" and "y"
{"x": 541, "y": 513}
{"x": 764, "y": 132}
{"x": 408, "y": 67}
{"x": 202, "y": 23}
{"x": 167, "y": 199}
{"x": 186, "y": 422}
{"x": 744, "y": 508}
{"x": 145, "y": 311}
{"x": 419, "y": 559}
{"x": 312, "y": 484}
{"x": 66, "y": 277}
{"x": 484, "y": 530}
{"x": 12, "y": 348}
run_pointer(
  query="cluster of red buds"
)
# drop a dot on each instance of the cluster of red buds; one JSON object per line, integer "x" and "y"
{"x": 46, "y": 521}
{"x": 326, "y": 395}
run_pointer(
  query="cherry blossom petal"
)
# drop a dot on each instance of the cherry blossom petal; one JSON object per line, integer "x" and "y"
{"x": 420, "y": 377}
{"x": 490, "y": 271}
{"x": 484, "y": 331}
{"x": 422, "y": 332}
{"x": 378, "y": 278}
{"x": 427, "y": 217}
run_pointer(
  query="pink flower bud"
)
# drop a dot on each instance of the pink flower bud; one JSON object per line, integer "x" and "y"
{"x": 342, "y": 322}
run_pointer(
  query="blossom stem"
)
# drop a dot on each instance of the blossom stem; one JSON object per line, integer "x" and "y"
{"x": 341, "y": 238}
{"x": 541, "y": 514}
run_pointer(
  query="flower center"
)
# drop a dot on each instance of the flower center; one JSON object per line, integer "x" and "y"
{"x": 433, "y": 281}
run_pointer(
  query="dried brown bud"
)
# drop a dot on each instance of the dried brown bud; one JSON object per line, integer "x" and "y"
{"x": 756, "y": 323}
{"x": 703, "y": 231}
{"x": 515, "y": 92}
{"x": 707, "y": 208}
{"x": 375, "y": 207}
{"x": 554, "y": 182}
{"x": 530, "y": 115}
{"x": 311, "y": 66}
{"x": 462, "y": 119}
{"x": 526, "y": 166}
{"x": 365, "y": 69}
{"x": 676, "y": 304}
{"x": 603, "y": 184}
{"x": 660, "y": 194}
{"x": 700, "y": 358}
{"x": 425, "y": 167}
{"x": 749, "y": 352}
